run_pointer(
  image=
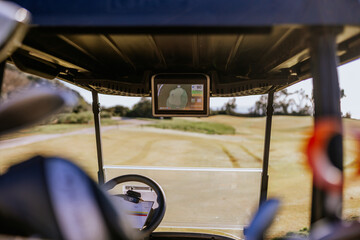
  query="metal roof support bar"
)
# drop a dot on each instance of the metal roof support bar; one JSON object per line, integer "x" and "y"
{"x": 327, "y": 105}
{"x": 265, "y": 167}
{"x": 96, "y": 111}
{"x": 2, "y": 69}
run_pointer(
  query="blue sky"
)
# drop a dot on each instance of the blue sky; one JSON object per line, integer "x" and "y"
{"x": 348, "y": 77}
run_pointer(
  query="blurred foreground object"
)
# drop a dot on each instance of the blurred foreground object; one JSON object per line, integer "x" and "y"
{"x": 53, "y": 198}
{"x": 33, "y": 106}
{"x": 326, "y": 175}
{"x": 262, "y": 220}
{"x": 13, "y": 27}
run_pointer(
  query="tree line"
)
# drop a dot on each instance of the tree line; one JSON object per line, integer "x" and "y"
{"x": 296, "y": 103}
{"x": 140, "y": 109}
{"x": 285, "y": 103}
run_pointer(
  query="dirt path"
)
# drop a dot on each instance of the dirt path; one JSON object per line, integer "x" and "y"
{"x": 16, "y": 142}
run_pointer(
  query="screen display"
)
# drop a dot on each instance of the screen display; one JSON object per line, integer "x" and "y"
{"x": 137, "y": 213}
{"x": 180, "y": 97}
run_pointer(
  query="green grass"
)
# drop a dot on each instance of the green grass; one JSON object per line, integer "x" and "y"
{"x": 304, "y": 232}
{"x": 54, "y": 128}
{"x": 107, "y": 122}
{"x": 194, "y": 126}
{"x": 74, "y": 118}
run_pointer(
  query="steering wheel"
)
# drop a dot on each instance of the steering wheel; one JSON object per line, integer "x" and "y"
{"x": 159, "y": 212}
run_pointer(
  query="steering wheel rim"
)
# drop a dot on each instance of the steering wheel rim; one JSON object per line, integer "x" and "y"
{"x": 161, "y": 199}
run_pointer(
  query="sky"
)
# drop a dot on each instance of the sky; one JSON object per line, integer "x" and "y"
{"x": 348, "y": 78}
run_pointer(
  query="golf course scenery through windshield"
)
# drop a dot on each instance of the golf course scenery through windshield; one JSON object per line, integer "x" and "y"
{"x": 209, "y": 135}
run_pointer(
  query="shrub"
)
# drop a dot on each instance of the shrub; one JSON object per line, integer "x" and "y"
{"x": 105, "y": 114}
{"x": 141, "y": 109}
{"x": 83, "y": 117}
{"x": 118, "y": 110}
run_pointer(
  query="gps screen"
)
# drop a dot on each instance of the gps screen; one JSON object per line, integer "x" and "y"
{"x": 180, "y": 97}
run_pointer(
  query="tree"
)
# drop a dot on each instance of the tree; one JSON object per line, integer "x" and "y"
{"x": 229, "y": 107}
{"x": 342, "y": 94}
{"x": 119, "y": 110}
{"x": 141, "y": 109}
{"x": 260, "y": 106}
{"x": 285, "y": 103}
{"x": 82, "y": 105}
{"x": 347, "y": 115}
{"x": 303, "y": 103}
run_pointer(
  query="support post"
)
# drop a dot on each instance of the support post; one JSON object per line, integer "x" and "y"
{"x": 327, "y": 104}
{"x": 2, "y": 69}
{"x": 96, "y": 111}
{"x": 265, "y": 167}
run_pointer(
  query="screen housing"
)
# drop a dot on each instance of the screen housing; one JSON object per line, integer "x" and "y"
{"x": 180, "y": 78}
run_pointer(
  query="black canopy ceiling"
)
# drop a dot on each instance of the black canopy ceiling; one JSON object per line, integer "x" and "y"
{"x": 246, "y": 47}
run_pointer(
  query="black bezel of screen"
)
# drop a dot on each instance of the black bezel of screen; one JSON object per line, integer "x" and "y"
{"x": 179, "y": 79}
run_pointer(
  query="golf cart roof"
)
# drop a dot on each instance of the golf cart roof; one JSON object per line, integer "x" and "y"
{"x": 246, "y": 47}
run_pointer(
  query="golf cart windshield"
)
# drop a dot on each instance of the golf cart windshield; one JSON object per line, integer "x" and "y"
{"x": 241, "y": 47}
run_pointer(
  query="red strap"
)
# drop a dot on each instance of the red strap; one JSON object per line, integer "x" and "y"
{"x": 326, "y": 175}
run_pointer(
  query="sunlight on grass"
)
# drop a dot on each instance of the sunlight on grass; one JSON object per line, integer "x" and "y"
{"x": 194, "y": 126}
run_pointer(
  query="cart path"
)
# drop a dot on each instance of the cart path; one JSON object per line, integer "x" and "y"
{"x": 16, "y": 142}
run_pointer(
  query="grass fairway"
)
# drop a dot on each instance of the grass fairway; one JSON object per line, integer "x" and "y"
{"x": 195, "y": 126}
{"x": 289, "y": 179}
